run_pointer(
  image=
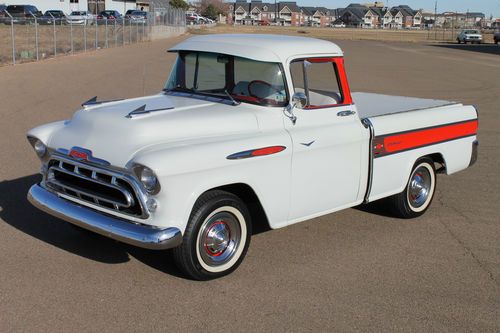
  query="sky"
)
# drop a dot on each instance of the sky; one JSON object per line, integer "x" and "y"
{"x": 488, "y": 7}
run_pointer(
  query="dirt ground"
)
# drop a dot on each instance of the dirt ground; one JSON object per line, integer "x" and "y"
{"x": 356, "y": 270}
{"x": 414, "y": 36}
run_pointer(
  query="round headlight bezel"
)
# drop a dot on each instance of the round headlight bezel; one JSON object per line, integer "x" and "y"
{"x": 147, "y": 178}
{"x": 40, "y": 148}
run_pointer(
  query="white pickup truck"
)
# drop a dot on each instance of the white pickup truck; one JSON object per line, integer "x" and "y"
{"x": 247, "y": 127}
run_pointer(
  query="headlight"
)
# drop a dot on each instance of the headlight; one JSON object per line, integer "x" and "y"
{"x": 148, "y": 179}
{"x": 40, "y": 148}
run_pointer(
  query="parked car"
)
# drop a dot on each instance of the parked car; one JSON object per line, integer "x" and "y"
{"x": 3, "y": 15}
{"x": 53, "y": 16}
{"x": 194, "y": 18}
{"x": 496, "y": 36}
{"x": 81, "y": 17}
{"x": 337, "y": 24}
{"x": 137, "y": 17}
{"x": 247, "y": 127}
{"x": 109, "y": 15}
{"x": 470, "y": 36}
{"x": 263, "y": 22}
{"x": 22, "y": 14}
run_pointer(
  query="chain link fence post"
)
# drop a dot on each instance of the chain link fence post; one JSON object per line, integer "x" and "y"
{"x": 55, "y": 36}
{"x": 12, "y": 37}
{"x": 85, "y": 37}
{"x": 106, "y": 33}
{"x": 71, "y": 34}
{"x": 36, "y": 36}
{"x": 96, "y": 35}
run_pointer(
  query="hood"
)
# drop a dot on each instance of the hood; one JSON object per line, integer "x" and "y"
{"x": 107, "y": 131}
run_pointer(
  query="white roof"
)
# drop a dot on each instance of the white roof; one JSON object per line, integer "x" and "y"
{"x": 268, "y": 48}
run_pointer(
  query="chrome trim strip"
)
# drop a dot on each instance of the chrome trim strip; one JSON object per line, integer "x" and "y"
{"x": 368, "y": 125}
{"x": 134, "y": 234}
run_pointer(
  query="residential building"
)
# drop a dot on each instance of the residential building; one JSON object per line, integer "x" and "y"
{"x": 359, "y": 16}
{"x": 256, "y": 12}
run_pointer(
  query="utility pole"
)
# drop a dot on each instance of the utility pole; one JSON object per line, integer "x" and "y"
{"x": 275, "y": 11}
{"x": 435, "y": 19}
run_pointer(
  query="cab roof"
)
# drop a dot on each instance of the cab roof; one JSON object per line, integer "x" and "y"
{"x": 267, "y": 48}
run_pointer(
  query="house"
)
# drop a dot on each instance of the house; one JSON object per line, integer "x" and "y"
{"x": 401, "y": 17}
{"x": 256, "y": 12}
{"x": 359, "y": 16}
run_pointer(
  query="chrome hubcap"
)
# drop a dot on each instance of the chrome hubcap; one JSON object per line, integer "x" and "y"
{"x": 220, "y": 237}
{"x": 419, "y": 187}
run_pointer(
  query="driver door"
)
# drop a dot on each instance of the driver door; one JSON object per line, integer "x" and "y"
{"x": 327, "y": 141}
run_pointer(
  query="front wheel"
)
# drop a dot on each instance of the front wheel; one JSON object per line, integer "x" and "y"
{"x": 216, "y": 238}
{"x": 419, "y": 191}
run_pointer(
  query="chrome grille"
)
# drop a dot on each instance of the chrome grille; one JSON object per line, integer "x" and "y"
{"x": 95, "y": 187}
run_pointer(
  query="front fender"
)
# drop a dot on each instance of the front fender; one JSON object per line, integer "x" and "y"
{"x": 186, "y": 171}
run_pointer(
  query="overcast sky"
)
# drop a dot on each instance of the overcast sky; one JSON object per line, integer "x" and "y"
{"x": 485, "y": 6}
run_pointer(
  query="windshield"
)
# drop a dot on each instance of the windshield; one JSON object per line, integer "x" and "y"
{"x": 472, "y": 32}
{"x": 234, "y": 78}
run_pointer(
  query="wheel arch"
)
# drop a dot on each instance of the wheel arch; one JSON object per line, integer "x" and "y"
{"x": 439, "y": 161}
{"x": 246, "y": 193}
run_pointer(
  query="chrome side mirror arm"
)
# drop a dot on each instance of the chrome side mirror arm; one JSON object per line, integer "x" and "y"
{"x": 299, "y": 101}
{"x": 289, "y": 113}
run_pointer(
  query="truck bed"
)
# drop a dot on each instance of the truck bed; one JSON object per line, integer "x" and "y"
{"x": 373, "y": 105}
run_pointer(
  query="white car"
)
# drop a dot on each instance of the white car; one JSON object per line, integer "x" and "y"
{"x": 247, "y": 127}
{"x": 470, "y": 36}
{"x": 81, "y": 17}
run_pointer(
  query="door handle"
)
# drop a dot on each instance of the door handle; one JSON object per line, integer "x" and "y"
{"x": 345, "y": 113}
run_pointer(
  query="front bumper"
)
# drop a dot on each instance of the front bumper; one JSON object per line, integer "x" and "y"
{"x": 133, "y": 234}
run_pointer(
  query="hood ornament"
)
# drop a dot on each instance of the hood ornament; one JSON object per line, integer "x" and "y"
{"x": 141, "y": 110}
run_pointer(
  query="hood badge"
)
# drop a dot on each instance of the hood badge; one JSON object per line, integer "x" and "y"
{"x": 83, "y": 155}
{"x": 308, "y": 144}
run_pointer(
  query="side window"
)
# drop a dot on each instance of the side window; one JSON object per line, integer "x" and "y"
{"x": 318, "y": 79}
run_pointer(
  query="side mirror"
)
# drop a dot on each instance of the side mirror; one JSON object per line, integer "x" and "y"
{"x": 299, "y": 100}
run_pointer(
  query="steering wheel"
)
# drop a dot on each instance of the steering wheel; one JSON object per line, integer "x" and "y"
{"x": 263, "y": 83}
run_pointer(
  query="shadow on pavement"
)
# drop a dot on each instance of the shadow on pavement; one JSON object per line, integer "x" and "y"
{"x": 379, "y": 207}
{"x": 483, "y": 48}
{"x": 16, "y": 211}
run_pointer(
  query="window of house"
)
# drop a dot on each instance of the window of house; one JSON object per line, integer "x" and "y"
{"x": 318, "y": 79}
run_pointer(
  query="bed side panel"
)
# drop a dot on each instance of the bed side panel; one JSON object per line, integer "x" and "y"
{"x": 449, "y": 131}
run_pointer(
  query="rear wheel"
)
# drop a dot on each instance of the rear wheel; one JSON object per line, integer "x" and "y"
{"x": 216, "y": 238}
{"x": 419, "y": 191}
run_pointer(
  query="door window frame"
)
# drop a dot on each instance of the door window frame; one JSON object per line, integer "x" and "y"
{"x": 338, "y": 66}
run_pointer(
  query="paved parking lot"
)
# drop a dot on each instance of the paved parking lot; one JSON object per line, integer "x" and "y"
{"x": 356, "y": 270}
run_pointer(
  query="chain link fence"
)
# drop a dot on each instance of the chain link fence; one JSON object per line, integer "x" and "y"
{"x": 35, "y": 38}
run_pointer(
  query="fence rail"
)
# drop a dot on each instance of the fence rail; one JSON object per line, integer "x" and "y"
{"x": 35, "y": 38}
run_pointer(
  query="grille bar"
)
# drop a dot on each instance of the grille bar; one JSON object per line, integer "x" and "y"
{"x": 102, "y": 188}
{"x": 129, "y": 199}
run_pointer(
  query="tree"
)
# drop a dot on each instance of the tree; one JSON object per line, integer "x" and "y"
{"x": 179, "y": 4}
{"x": 211, "y": 11}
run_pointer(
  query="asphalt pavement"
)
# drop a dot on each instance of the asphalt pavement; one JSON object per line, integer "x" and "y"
{"x": 355, "y": 270}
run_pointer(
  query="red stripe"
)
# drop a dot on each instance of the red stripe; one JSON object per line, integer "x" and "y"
{"x": 267, "y": 151}
{"x": 419, "y": 138}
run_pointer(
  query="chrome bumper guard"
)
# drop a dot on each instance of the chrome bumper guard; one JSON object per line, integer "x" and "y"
{"x": 133, "y": 234}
